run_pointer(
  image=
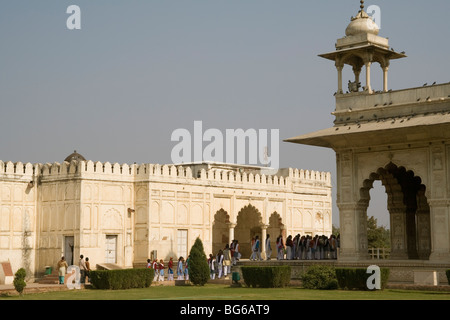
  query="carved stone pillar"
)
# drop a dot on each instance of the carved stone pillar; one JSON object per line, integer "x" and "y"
{"x": 231, "y": 227}
{"x": 339, "y": 66}
{"x": 399, "y": 247}
{"x": 423, "y": 234}
{"x": 339, "y": 69}
{"x": 263, "y": 240}
{"x": 368, "y": 85}
{"x": 385, "y": 79}
{"x": 353, "y": 222}
{"x": 439, "y": 219}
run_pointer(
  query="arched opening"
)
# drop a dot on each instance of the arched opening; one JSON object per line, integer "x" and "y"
{"x": 249, "y": 222}
{"x": 378, "y": 204}
{"x": 220, "y": 231}
{"x": 408, "y": 210}
{"x": 276, "y": 228}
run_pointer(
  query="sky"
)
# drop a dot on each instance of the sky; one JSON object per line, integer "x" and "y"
{"x": 116, "y": 89}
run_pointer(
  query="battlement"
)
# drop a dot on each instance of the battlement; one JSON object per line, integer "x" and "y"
{"x": 108, "y": 171}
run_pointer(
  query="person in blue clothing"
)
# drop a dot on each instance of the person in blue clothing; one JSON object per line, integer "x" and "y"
{"x": 186, "y": 268}
{"x": 257, "y": 248}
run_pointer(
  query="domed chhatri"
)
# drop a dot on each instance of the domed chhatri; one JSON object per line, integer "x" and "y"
{"x": 74, "y": 156}
{"x": 362, "y": 24}
{"x": 361, "y": 47}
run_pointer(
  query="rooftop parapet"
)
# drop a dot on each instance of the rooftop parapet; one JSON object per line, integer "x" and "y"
{"x": 360, "y": 106}
{"x": 107, "y": 171}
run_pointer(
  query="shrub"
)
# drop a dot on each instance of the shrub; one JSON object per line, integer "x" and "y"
{"x": 320, "y": 277}
{"x": 356, "y": 278}
{"x": 447, "y": 273}
{"x": 266, "y": 277}
{"x": 122, "y": 279}
{"x": 19, "y": 280}
{"x": 198, "y": 264}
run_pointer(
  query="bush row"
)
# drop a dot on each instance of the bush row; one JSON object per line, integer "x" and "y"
{"x": 266, "y": 277}
{"x": 328, "y": 278}
{"x": 122, "y": 279}
{"x": 356, "y": 278}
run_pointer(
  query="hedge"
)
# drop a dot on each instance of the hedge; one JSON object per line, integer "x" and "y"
{"x": 447, "y": 273}
{"x": 266, "y": 277}
{"x": 320, "y": 277}
{"x": 122, "y": 278}
{"x": 356, "y": 278}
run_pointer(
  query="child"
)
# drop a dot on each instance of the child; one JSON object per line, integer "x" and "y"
{"x": 155, "y": 268}
{"x": 170, "y": 270}
{"x": 161, "y": 270}
{"x": 212, "y": 261}
{"x": 186, "y": 268}
{"x": 180, "y": 269}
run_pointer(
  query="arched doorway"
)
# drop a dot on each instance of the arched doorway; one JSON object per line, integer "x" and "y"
{"x": 249, "y": 222}
{"x": 220, "y": 232}
{"x": 275, "y": 229}
{"x": 408, "y": 209}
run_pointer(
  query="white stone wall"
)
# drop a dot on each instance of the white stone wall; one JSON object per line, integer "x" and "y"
{"x": 143, "y": 206}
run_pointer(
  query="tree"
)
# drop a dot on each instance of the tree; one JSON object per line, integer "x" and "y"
{"x": 19, "y": 280}
{"x": 377, "y": 237}
{"x": 335, "y": 230}
{"x": 198, "y": 264}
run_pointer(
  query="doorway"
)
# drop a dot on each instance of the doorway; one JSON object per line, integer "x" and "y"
{"x": 111, "y": 249}
{"x": 68, "y": 249}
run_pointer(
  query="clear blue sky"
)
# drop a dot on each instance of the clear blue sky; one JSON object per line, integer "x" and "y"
{"x": 137, "y": 70}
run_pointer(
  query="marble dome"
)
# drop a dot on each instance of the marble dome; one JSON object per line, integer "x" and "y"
{"x": 362, "y": 24}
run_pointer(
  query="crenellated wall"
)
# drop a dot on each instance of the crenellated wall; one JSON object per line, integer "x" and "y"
{"x": 145, "y": 207}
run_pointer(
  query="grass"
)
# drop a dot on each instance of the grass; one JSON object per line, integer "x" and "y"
{"x": 223, "y": 292}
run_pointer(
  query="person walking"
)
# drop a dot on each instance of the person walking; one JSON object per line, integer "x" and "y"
{"x": 211, "y": 262}
{"x": 186, "y": 268}
{"x": 82, "y": 266}
{"x": 252, "y": 246}
{"x": 236, "y": 254}
{"x": 219, "y": 260}
{"x": 268, "y": 247}
{"x": 257, "y": 249}
{"x": 180, "y": 273}
{"x": 170, "y": 270}
{"x": 226, "y": 260}
{"x": 88, "y": 269}
{"x": 155, "y": 269}
{"x": 309, "y": 245}
{"x": 280, "y": 248}
{"x": 161, "y": 270}
{"x": 62, "y": 269}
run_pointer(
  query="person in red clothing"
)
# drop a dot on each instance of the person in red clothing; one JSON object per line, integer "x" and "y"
{"x": 170, "y": 270}
{"x": 161, "y": 270}
{"x": 155, "y": 269}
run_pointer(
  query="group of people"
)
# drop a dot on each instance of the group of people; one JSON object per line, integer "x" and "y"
{"x": 221, "y": 263}
{"x": 83, "y": 264}
{"x": 297, "y": 247}
{"x": 307, "y": 247}
{"x": 182, "y": 269}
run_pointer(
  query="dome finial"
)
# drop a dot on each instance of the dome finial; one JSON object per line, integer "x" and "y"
{"x": 362, "y": 5}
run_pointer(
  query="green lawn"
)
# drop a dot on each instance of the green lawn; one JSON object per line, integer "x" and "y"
{"x": 223, "y": 292}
